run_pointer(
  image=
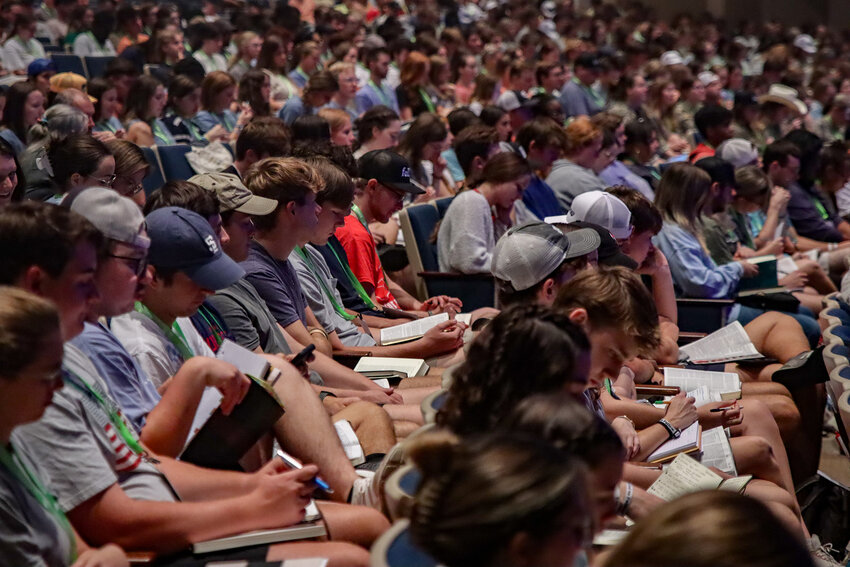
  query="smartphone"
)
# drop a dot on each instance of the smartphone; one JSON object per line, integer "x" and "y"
{"x": 295, "y": 464}
{"x": 301, "y": 358}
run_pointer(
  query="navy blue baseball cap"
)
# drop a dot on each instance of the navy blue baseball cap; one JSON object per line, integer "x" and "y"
{"x": 39, "y": 66}
{"x": 183, "y": 240}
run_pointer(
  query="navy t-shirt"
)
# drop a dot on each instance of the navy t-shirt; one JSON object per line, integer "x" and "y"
{"x": 277, "y": 283}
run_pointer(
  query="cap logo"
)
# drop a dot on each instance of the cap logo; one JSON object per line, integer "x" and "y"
{"x": 405, "y": 172}
{"x": 211, "y": 244}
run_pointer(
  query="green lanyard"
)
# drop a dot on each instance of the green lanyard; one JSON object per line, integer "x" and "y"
{"x": 116, "y": 418}
{"x": 196, "y": 135}
{"x": 26, "y": 46}
{"x": 106, "y": 126}
{"x": 821, "y": 209}
{"x": 229, "y": 127}
{"x": 427, "y": 100}
{"x": 174, "y": 334}
{"x": 380, "y": 93}
{"x": 597, "y": 98}
{"x": 355, "y": 283}
{"x": 360, "y": 216}
{"x": 300, "y": 72}
{"x": 161, "y": 134}
{"x": 10, "y": 459}
{"x": 313, "y": 270}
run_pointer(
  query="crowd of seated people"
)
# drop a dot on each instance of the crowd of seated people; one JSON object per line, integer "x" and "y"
{"x": 230, "y": 171}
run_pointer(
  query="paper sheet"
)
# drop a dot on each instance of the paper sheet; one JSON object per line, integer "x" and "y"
{"x": 350, "y": 442}
{"x": 729, "y": 343}
{"x": 683, "y": 476}
{"x": 716, "y": 382}
{"x": 717, "y": 452}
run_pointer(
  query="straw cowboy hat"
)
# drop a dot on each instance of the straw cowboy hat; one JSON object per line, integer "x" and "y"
{"x": 785, "y": 96}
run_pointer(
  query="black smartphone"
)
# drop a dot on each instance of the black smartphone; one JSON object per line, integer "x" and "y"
{"x": 301, "y": 358}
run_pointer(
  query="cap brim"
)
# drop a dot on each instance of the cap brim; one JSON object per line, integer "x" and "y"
{"x": 618, "y": 259}
{"x": 216, "y": 274}
{"x": 582, "y": 241}
{"x": 257, "y": 206}
{"x": 406, "y": 187}
{"x": 795, "y": 105}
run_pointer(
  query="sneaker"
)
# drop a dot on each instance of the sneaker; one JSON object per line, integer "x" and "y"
{"x": 804, "y": 369}
{"x": 822, "y": 554}
{"x": 363, "y": 492}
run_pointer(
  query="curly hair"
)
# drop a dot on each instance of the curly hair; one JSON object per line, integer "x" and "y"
{"x": 525, "y": 350}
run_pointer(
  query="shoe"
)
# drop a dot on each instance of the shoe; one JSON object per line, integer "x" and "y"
{"x": 805, "y": 369}
{"x": 363, "y": 491}
{"x": 822, "y": 554}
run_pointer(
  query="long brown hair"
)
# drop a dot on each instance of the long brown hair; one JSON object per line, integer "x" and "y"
{"x": 682, "y": 195}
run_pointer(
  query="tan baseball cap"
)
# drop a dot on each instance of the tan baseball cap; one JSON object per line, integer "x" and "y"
{"x": 62, "y": 81}
{"x": 233, "y": 195}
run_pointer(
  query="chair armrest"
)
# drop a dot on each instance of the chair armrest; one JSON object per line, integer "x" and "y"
{"x": 647, "y": 390}
{"x": 349, "y": 357}
{"x": 707, "y": 302}
{"x": 454, "y": 276}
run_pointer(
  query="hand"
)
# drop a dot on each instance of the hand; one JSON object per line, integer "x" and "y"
{"x": 654, "y": 262}
{"x": 380, "y": 396}
{"x": 440, "y": 303}
{"x": 681, "y": 412}
{"x": 730, "y": 417}
{"x": 642, "y": 368}
{"x": 643, "y": 503}
{"x": 304, "y": 369}
{"x": 627, "y": 434}
{"x": 776, "y": 246}
{"x": 789, "y": 246}
{"x": 779, "y": 197}
{"x": 103, "y": 136}
{"x": 444, "y": 337}
{"x": 281, "y": 498}
{"x": 110, "y": 555}
{"x": 225, "y": 377}
{"x": 795, "y": 280}
{"x": 750, "y": 270}
{"x": 216, "y": 133}
{"x": 335, "y": 405}
{"x": 245, "y": 116}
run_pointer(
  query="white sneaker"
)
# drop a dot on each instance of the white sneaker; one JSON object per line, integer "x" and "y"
{"x": 363, "y": 493}
{"x": 821, "y": 553}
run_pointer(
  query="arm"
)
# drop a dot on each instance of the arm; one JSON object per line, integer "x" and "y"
{"x": 779, "y": 198}
{"x": 664, "y": 294}
{"x": 694, "y": 271}
{"x": 844, "y": 229}
{"x": 140, "y": 134}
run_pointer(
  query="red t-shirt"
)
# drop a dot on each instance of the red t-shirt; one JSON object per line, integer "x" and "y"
{"x": 363, "y": 259}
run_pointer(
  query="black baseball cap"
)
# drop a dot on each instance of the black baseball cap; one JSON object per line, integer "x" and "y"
{"x": 388, "y": 168}
{"x": 588, "y": 61}
{"x": 609, "y": 251}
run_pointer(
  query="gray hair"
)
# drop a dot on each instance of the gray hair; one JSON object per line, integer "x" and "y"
{"x": 59, "y": 121}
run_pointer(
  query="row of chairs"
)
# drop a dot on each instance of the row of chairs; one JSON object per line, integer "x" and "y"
{"x": 89, "y": 66}
{"x": 168, "y": 163}
{"x": 835, "y": 322}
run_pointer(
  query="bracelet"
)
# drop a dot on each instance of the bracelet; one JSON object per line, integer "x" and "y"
{"x": 319, "y": 331}
{"x": 627, "y": 419}
{"x": 623, "y": 504}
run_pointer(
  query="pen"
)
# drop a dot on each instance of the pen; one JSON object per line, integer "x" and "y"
{"x": 725, "y": 408}
{"x": 293, "y": 463}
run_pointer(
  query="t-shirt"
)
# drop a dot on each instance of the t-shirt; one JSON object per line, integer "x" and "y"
{"x": 30, "y": 534}
{"x": 127, "y": 382}
{"x": 148, "y": 345}
{"x": 334, "y": 254}
{"x": 319, "y": 301}
{"x": 276, "y": 282}
{"x": 467, "y": 237}
{"x": 363, "y": 259}
{"x": 79, "y": 450}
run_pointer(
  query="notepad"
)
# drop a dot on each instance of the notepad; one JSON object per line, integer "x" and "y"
{"x": 685, "y": 475}
{"x": 687, "y": 442}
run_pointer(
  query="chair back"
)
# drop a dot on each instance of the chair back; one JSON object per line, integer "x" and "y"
{"x": 395, "y": 548}
{"x": 419, "y": 251}
{"x": 400, "y": 491}
{"x": 69, "y": 63}
{"x": 174, "y": 163}
{"x": 154, "y": 179}
{"x": 96, "y": 65}
{"x": 432, "y": 404}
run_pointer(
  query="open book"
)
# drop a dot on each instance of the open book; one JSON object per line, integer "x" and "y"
{"x": 724, "y": 386}
{"x": 223, "y": 439}
{"x": 350, "y": 442}
{"x": 766, "y": 278}
{"x": 688, "y": 442}
{"x": 375, "y": 364}
{"x": 686, "y": 475}
{"x": 415, "y": 329}
{"x": 312, "y": 526}
{"x": 729, "y": 344}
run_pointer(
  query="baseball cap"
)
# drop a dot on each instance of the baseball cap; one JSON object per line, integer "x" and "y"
{"x": 526, "y": 254}
{"x": 806, "y": 43}
{"x": 115, "y": 216}
{"x": 233, "y": 195}
{"x": 588, "y": 61}
{"x": 388, "y": 168}
{"x": 62, "y": 81}
{"x": 609, "y": 251}
{"x": 745, "y": 98}
{"x": 669, "y": 58}
{"x": 707, "y": 77}
{"x": 39, "y": 66}
{"x": 739, "y": 152}
{"x": 183, "y": 240}
{"x": 604, "y": 209}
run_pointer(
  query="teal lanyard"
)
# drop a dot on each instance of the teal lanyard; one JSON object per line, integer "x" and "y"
{"x": 821, "y": 209}
{"x": 173, "y": 333}
{"x": 380, "y": 93}
{"x": 106, "y": 125}
{"x": 160, "y": 134}
{"x": 196, "y": 135}
{"x": 228, "y": 126}
{"x": 116, "y": 418}
{"x": 355, "y": 283}
{"x": 427, "y": 100}
{"x": 313, "y": 270}
{"x": 300, "y": 72}
{"x": 10, "y": 459}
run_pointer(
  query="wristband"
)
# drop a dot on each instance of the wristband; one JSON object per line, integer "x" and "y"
{"x": 672, "y": 431}
{"x": 624, "y": 499}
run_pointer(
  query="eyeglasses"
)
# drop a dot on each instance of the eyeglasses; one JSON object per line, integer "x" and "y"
{"x": 133, "y": 189}
{"x": 106, "y": 181}
{"x": 136, "y": 264}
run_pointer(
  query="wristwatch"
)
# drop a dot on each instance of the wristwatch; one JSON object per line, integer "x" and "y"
{"x": 672, "y": 431}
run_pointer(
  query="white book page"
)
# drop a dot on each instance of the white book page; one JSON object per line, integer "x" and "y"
{"x": 736, "y": 484}
{"x": 785, "y": 265}
{"x": 716, "y": 382}
{"x": 689, "y": 438}
{"x": 702, "y": 396}
{"x": 683, "y": 476}
{"x": 717, "y": 452}
{"x": 410, "y": 366}
{"x": 210, "y": 400}
{"x": 412, "y": 329}
{"x": 730, "y": 342}
{"x": 249, "y": 363}
{"x": 350, "y": 442}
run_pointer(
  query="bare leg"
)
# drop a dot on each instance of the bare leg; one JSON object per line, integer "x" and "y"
{"x": 777, "y": 336}
{"x": 373, "y": 426}
{"x": 754, "y": 456}
{"x": 405, "y": 412}
{"x": 355, "y": 524}
{"x": 404, "y": 428}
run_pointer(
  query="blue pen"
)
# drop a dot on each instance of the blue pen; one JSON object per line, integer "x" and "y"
{"x": 294, "y": 463}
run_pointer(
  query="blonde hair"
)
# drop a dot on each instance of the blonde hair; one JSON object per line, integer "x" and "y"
{"x": 241, "y": 41}
{"x": 336, "y": 117}
{"x": 25, "y": 320}
{"x": 341, "y": 67}
{"x": 284, "y": 180}
{"x": 581, "y": 133}
{"x": 682, "y": 195}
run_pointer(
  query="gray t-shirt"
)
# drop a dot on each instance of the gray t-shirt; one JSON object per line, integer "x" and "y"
{"x": 29, "y": 534}
{"x": 467, "y": 235}
{"x": 79, "y": 450}
{"x": 568, "y": 180}
{"x": 319, "y": 302}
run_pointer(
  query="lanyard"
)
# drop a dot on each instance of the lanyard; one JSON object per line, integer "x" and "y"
{"x": 10, "y": 459}
{"x": 106, "y": 125}
{"x": 598, "y": 99}
{"x": 116, "y": 418}
{"x": 196, "y": 135}
{"x": 380, "y": 93}
{"x": 429, "y": 104}
{"x": 819, "y": 206}
{"x": 355, "y": 283}
{"x": 300, "y": 72}
{"x": 359, "y": 214}
{"x": 174, "y": 334}
{"x": 160, "y": 134}
{"x": 227, "y": 125}
{"x": 313, "y": 270}
{"x": 27, "y": 46}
